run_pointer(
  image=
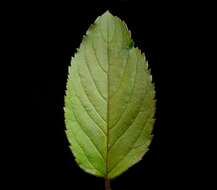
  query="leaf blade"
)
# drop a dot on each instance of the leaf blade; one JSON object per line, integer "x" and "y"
{"x": 110, "y": 90}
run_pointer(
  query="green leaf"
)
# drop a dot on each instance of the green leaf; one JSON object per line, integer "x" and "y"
{"x": 109, "y": 102}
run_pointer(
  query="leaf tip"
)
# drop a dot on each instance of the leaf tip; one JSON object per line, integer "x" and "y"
{"x": 107, "y": 15}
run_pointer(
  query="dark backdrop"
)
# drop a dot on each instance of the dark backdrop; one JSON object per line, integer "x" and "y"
{"x": 46, "y": 37}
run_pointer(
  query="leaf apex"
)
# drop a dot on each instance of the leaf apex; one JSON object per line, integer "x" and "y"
{"x": 107, "y": 15}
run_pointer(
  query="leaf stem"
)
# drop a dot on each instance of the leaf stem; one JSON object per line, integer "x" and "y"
{"x": 107, "y": 184}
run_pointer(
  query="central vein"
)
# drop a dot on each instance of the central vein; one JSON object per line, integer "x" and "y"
{"x": 108, "y": 103}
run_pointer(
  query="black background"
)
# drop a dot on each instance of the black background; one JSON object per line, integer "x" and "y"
{"x": 46, "y": 37}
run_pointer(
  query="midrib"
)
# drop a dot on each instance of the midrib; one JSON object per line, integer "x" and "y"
{"x": 108, "y": 103}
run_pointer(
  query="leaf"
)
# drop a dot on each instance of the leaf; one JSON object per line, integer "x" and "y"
{"x": 109, "y": 102}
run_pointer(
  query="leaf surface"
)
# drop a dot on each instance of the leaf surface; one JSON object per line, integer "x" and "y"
{"x": 109, "y": 102}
